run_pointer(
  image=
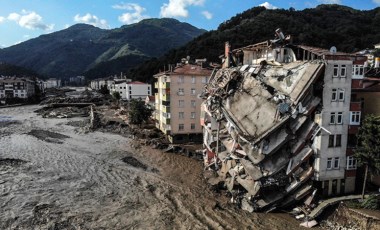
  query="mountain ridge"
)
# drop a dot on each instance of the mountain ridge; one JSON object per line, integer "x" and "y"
{"x": 74, "y": 50}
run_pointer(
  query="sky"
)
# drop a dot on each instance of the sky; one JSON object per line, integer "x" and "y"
{"x": 21, "y": 20}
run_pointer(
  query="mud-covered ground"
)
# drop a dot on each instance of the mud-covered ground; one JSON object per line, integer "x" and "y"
{"x": 53, "y": 176}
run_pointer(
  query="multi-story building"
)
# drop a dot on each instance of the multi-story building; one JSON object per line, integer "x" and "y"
{"x": 11, "y": 87}
{"x": 137, "y": 89}
{"x": 177, "y": 106}
{"x": 287, "y": 115}
{"x": 119, "y": 85}
{"x": 53, "y": 83}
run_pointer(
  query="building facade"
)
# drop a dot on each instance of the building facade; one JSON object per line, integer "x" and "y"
{"x": 16, "y": 87}
{"x": 177, "y": 105}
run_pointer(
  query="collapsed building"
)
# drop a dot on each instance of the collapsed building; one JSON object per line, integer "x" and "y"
{"x": 276, "y": 121}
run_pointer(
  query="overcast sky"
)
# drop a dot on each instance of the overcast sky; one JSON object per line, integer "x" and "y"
{"x": 21, "y": 20}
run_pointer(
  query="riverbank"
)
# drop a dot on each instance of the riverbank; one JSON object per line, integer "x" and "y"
{"x": 53, "y": 175}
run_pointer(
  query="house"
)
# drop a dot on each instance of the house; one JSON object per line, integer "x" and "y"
{"x": 177, "y": 104}
{"x": 277, "y": 120}
{"x": 53, "y": 83}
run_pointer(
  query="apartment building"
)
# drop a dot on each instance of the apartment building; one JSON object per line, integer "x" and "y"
{"x": 53, "y": 83}
{"x": 288, "y": 115}
{"x": 11, "y": 87}
{"x": 177, "y": 105}
{"x": 137, "y": 89}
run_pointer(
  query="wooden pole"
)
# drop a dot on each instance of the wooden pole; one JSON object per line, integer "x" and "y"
{"x": 365, "y": 180}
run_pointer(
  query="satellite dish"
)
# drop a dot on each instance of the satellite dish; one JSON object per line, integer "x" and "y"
{"x": 333, "y": 50}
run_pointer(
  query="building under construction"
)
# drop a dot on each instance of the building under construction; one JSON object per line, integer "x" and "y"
{"x": 279, "y": 121}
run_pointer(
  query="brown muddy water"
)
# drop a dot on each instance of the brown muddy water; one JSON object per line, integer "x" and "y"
{"x": 53, "y": 176}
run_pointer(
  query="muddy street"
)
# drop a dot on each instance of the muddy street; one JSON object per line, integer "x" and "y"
{"x": 55, "y": 176}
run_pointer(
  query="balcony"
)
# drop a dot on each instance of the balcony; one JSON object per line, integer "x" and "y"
{"x": 166, "y": 97}
{"x": 166, "y": 121}
{"x": 166, "y": 109}
{"x": 165, "y": 85}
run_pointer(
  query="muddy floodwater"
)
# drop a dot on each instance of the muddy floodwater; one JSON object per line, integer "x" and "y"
{"x": 55, "y": 176}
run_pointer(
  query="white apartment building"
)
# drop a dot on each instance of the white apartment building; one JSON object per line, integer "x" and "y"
{"x": 137, "y": 89}
{"x": 53, "y": 83}
{"x": 16, "y": 87}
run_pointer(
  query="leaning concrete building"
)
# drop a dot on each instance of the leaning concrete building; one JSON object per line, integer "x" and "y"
{"x": 276, "y": 122}
{"x": 177, "y": 105}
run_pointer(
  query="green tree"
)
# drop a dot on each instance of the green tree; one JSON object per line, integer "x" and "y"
{"x": 138, "y": 111}
{"x": 368, "y": 149}
{"x": 116, "y": 95}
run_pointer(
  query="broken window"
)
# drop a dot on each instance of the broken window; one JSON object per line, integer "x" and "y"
{"x": 336, "y": 70}
{"x": 192, "y": 91}
{"x": 357, "y": 71}
{"x": 181, "y": 115}
{"x": 333, "y": 95}
{"x": 192, "y": 126}
{"x": 181, "y": 91}
{"x": 351, "y": 162}
{"x": 329, "y": 163}
{"x": 336, "y": 162}
{"x": 193, "y": 79}
{"x": 332, "y": 118}
{"x": 192, "y": 115}
{"x": 355, "y": 118}
{"x": 343, "y": 71}
{"x": 331, "y": 140}
{"x": 204, "y": 80}
{"x": 181, "y": 127}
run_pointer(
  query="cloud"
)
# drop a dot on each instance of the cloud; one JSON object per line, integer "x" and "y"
{"x": 332, "y": 1}
{"x": 376, "y": 2}
{"x": 30, "y": 20}
{"x": 91, "y": 20}
{"x": 134, "y": 15}
{"x": 2, "y": 19}
{"x": 268, "y": 6}
{"x": 178, "y": 8}
{"x": 207, "y": 14}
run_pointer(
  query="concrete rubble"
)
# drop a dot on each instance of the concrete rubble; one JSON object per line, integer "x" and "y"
{"x": 259, "y": 125}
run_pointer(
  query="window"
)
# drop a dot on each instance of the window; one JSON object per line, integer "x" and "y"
{"x": 181, "y": 115}
{"x": 333, "y": 95}
{"x": 181, "y": 127}
{"x": 339, "y": 119}
{"x": 192, "y": 115}
{"x": 181, "y": 103}
{"x": 181, "y": 91}
{"x": 338, "y": 140}
{"x": 204, "y": 79}
{"x": 329, "y": 163}
{"x": 341, "y": 94}
{"x": 351, "y": 163}
{"x": 181, "y": 79}
{"x": 193, "y": 103}
{"x": 336, "y": 70}
{"x": 193, "y": 79}
{"x": 192, "y": 91}
{"x": 130, "y": 87}
{"x": 343, "y": 71}
{"x": 357, "y": 71}
{"x": 331, "y": 140}
{"x": 192, "y": 126}
{"x": 355, "y": 118}
{"x": 121, "y": 87}
{"x": 148, "y": 87}
{"x": 336, "y": 163}
{"x": 332, "y": 118}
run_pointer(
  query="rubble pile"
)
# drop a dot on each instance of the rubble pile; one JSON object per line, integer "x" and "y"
{"x": 63, "y": 112}
{"x": 259, "y": 126}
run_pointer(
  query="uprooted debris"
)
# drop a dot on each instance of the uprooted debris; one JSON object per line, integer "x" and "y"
{"x": 134, "y": 162}
{"x": 63, "y": 112}
{"x": 48, "y": 136}
{"x": 259, "y": 127}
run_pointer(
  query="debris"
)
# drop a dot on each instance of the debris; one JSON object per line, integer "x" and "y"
{"x": 309, "y": 224}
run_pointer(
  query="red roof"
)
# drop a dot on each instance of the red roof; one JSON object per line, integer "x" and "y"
{"x": 136, "y": 83}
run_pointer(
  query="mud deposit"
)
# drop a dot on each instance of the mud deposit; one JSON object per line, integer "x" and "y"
{"x": 99, "y": 181}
